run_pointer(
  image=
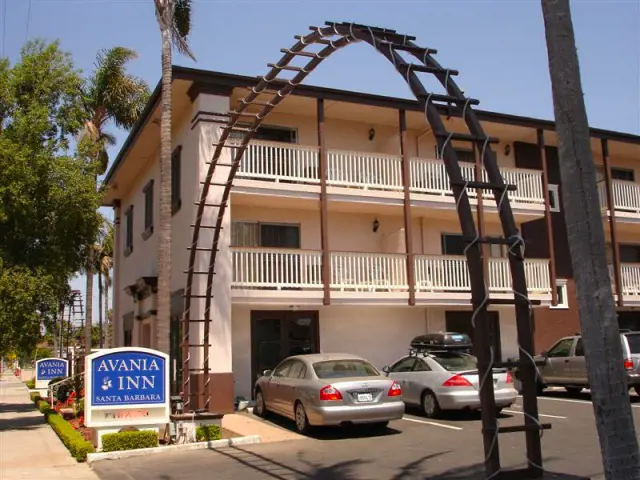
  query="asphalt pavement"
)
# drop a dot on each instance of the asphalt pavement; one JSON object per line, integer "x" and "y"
{"x": 412, "y": 448}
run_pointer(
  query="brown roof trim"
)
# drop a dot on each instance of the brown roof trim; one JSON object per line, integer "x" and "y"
{"x": 207, "y": 80}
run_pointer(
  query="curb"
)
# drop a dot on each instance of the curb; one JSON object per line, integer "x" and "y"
{"x": 228, "y": 442}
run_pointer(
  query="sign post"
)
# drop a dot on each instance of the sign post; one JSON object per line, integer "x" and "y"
{"x": 126, "y": 387}
{"x": 49, "y": 368}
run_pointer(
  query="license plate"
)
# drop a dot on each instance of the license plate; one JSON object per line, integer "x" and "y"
{"x": 365, "y": 397}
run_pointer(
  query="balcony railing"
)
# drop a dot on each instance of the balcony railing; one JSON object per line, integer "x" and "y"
{"x": 372, "y": 171}
{"x": 626, "y": 196}
{"x": 372, "y": 272}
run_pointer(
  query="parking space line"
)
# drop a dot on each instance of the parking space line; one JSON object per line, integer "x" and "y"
{"x": 569, "y": 400}
{"x": 539, "y": 414}
{"x": 435, "y": 424}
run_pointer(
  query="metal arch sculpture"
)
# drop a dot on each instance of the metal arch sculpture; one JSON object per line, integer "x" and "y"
{"x": 332, "y": 38}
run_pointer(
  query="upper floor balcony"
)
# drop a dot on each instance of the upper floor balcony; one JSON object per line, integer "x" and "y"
{"x": 276, "y": 275}
{"x": 289, "y": 170}
{"x": 626, "y": 200}
{"x": 630, "y": 276}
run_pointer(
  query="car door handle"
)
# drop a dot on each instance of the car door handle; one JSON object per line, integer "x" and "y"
{"x": 566, "y": 361}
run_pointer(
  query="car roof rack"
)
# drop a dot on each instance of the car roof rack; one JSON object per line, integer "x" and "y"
{"x": 440, "y": 342}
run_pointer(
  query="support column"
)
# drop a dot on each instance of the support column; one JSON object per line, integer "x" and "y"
{"x": 615, "y": 247}
{"x": 406, "y": 187}
{"x": 324, "y": 221}
{"x": 547, "y": 216}
{"x": 118, "y": 321}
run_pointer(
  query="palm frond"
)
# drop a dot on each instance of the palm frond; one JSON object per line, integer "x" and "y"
{"x": 181, "y": 27}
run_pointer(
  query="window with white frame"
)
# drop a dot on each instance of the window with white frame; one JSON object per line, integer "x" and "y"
{"x": 554, "y": 198}
{"x": 561, "y": 289}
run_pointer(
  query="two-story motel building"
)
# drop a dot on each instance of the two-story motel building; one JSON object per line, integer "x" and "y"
{"x": 270, "y": 294}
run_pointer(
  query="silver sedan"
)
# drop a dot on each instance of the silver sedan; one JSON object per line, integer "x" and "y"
{"x": 447, "y": 380}
{"x": 328, "y": 389}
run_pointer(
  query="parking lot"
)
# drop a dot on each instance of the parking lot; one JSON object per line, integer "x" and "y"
{"x": 412, "y": 448}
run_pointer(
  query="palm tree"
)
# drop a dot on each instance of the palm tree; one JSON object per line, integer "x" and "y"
{"x": 598, "y": 319}
{"x": 105, "y": 262}
{"x": 111, "y": 95}
{"x": 174, "y": 19}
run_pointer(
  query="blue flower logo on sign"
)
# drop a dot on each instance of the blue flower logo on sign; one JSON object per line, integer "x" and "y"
{"x": 50, "y": 368}
{"x": 128, "y": 378}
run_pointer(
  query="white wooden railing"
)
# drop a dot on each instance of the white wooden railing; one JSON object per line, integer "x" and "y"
{"x": 376, "y": 272}
{"x": 630, "y": 279}
{"x": 626, "y": 196}
{"x": 370, "y": 271}
{"x": 439, "y": 273}
{"x": 372, "y": 171}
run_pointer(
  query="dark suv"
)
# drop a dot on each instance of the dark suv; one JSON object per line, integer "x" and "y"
{"x": 565, "y": 366}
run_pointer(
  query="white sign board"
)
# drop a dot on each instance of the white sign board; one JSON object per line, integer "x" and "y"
{"x": 126, "y": 386}
{"x": 49, "y": 368}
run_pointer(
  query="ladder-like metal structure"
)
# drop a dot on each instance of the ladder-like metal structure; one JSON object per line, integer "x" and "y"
{"x": 243, "y": 121}
{"x": 75, "y": 316}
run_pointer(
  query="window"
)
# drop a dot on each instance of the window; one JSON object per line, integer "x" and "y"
{"x": 579, "y": 348}
{"x": 296, "y": 369}
{"x": 455, "y": 362}
{"x": 467, "y": 155}
{"x": 633, "y": 340}
{"x": 624, "y": 174}
{"x": 421, "y": 366}
{"x": 345, "y": 369}
{"x": 176, "y": 169}
{"x": 282, "y": 370}
{"x": 452, "y": 244}
{"x": 256, "y": 234}
{"x": 563, "y": 299}
{"x": 561, "y": 349}
{"x": 128, "y": 231}
{"x": 554, "y": 198}
{"x": 404, "y": 365}
{"x": 128, "y": 337}
{"x": 148, "y": 210}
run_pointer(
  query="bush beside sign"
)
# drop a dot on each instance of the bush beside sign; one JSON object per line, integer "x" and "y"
{"x": 126, "y": 386}
{"x": 49, "y": 368}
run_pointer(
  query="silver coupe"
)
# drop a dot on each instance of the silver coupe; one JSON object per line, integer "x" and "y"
{"x": 328, "y": 389}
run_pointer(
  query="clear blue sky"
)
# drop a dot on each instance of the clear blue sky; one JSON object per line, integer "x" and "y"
{"x": 498, "y": 46}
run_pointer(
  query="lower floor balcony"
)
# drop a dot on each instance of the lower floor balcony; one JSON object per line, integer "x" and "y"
{"x": 630, "y": 276}
{"x": 272, "y": 275}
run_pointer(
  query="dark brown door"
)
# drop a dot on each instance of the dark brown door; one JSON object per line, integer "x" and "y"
{"x": 276, "y": 335}
{"x": 460, "y": 322}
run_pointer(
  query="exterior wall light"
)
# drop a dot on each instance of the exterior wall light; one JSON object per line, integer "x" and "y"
{"x": 376, "y": 225}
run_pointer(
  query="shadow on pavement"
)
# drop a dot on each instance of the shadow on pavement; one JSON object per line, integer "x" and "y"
{"x": 330, "y": 433}
{"x": 476, "y": 472}
{"x": 19, "y": 408}
{"x": 584, "y": 396}
{"x": 345, "y": 470}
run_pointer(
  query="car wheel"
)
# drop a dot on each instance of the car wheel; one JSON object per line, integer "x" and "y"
{"x": 637, "y": 390}
{"x": 539, "y": 388}
{"x": 573, "y": 390}
{"x": 430, "y": 405}
{"x": 302, "y": 422}
{"x": 498, "y": 411}
{"x": 260, "y": 408}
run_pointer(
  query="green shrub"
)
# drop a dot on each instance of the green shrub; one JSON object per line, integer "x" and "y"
{"x": 34, "y": 396}
{"x": 31, "y": 384}
{"x": 113, "y": 442}
{"x": 71, "y": 438}
{"x": 207, "y": 433}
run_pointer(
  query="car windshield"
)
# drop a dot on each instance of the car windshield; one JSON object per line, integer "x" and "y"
{"x": 455, "y": 362}
{"x": 634, "y": 342}
{"x": 345, "y": 369}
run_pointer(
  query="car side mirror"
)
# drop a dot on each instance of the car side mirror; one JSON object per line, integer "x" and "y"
{"x": 267, "y": 373}
{"x": 386, "y": 369}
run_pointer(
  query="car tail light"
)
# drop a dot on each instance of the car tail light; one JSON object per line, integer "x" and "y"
{"x": 628, "y": 364}
{"x": 330, "y": 393}
{"x": 457, "y": 381}
{"x": 395, "y": 390}
{"x": 509, "y": 378}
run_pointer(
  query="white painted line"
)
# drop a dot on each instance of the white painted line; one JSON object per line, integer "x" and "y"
{"x": 569, "y": 400}
{"x": 435, "y": 424}
{"x": 540, "y": 414}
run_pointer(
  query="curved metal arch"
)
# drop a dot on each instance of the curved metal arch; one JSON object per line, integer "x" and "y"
{"x": 385, "y": 42}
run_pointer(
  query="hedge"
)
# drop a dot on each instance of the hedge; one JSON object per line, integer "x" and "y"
{"x": 70, "y": 437}
{"x": 207, "y": 433}
{"x": 31, "y": 384}
{"x": 113, "y": 442}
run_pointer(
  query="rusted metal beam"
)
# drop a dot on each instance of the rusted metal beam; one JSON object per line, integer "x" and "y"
{"x": 324, "y": 210}
{"x": 615, "y": 246}
{"x": 547, "y": 215}
{"x": 408, "y": 224}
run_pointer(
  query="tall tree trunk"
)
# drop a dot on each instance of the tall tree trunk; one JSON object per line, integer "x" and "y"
{"x": 107, "y": 317}
{"x": 100, "y": 300}
{"x": 164, "y": 15}
{"x": 598, "y": 319}
{"x": 88, "y": 319}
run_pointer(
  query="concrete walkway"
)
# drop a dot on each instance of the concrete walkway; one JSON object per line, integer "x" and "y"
{"x": 246, "y": 424}
{"x": 29, "y": 448}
